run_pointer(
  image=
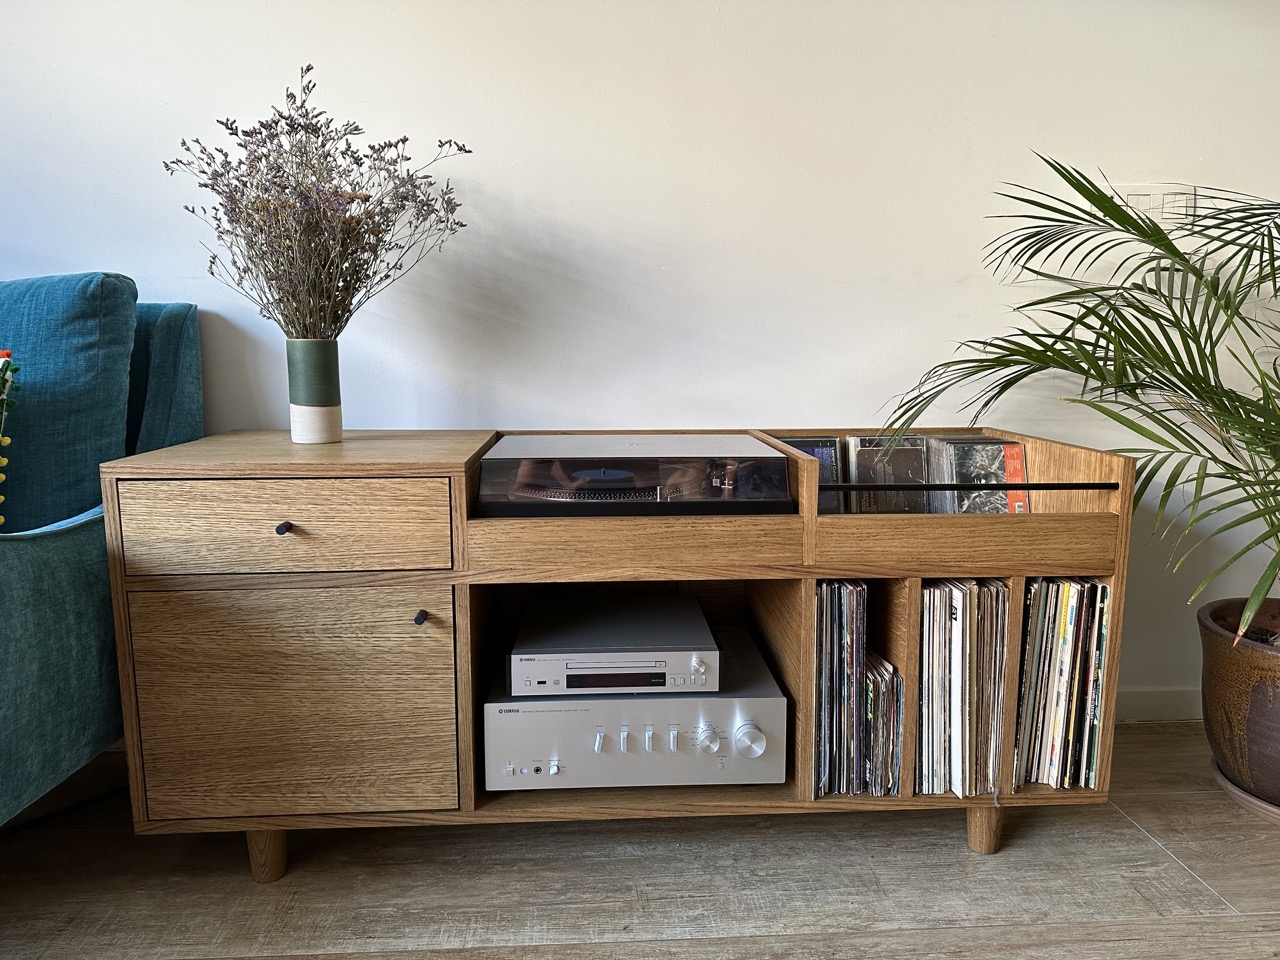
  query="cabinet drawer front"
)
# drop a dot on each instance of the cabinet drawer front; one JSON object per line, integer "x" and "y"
{"x": 295, "y": 701}
{"x": 230, "y": 526}
{"x": 647, "y": 547}
{"x": 969, "y": 545}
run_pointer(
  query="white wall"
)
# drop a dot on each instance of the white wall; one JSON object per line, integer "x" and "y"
{"x": 682, "y": 213}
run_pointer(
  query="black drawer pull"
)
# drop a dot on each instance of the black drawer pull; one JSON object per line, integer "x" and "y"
{"x": 420, "y": 617}
{"x": 284, "y": 528}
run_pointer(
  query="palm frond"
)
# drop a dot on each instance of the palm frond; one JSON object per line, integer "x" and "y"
{"x": 1168, "y": 333}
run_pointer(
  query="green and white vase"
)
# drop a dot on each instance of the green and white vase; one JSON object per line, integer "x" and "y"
{"x": 315, "y": 400}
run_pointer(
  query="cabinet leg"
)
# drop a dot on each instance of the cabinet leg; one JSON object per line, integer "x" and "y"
{"x": 267, "y": 854}
{"x": 984, "y": 828}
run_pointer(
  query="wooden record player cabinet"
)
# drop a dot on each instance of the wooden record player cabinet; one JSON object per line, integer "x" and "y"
{"x": 306, "y": 633}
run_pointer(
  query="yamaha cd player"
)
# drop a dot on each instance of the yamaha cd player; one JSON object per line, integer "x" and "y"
{"x": 614, "y": 642}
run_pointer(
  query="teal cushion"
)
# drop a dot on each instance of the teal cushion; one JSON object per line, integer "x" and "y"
{"x": 74, "y": 334}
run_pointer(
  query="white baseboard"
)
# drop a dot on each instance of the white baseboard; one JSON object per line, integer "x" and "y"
{"x": 1158, "y": 703}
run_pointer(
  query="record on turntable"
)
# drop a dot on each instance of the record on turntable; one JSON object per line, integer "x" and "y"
{"x": 650, "y": 474}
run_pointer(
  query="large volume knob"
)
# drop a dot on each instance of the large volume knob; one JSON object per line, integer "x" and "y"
{"x": 749, "y": 741}
{"x": 708, "y": 741}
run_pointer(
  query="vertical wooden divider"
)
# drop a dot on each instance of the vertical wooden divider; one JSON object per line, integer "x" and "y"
{"x": 785, "y": 611}
{"x": 464, "y": 641}
{"x": 1012, "y": 684}
{"x": 802, "y": 474}
{"x": 895, "y": 612}
{"x": 480, "y": 599}
{"x": 1111, "y": 664}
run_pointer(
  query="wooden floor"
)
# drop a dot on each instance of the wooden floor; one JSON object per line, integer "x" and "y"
{"x": 1171, "y": 868}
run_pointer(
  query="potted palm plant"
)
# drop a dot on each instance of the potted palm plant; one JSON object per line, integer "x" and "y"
{"x": 1170, "y": 332}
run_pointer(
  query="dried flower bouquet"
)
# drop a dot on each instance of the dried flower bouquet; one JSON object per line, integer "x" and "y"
{"x": 312, "y": 225}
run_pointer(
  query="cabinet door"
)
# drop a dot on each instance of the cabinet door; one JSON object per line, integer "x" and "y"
{"x": 295, "y": 701}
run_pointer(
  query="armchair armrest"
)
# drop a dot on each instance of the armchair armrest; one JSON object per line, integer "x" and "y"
{"x": 165, "y": 386}
{"x": 49, "y": 529}
{"x": 57, "y": 656}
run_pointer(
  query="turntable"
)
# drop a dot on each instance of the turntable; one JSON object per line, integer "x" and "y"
{"x": 646, "y": 474}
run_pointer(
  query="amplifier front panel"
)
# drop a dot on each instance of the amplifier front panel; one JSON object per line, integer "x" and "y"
{"x": 633, "y": 741}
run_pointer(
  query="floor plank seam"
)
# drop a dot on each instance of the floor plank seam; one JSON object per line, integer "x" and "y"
{"x": 1178, "y": 860}
{"x": 515, "y": 949}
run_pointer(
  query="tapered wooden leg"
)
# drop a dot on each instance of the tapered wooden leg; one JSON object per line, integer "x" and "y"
{"x": 267, "y": 854}
{"x": 984, "y": 828}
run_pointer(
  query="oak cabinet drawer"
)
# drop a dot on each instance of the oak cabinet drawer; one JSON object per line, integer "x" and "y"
{"x": 295, "y": 700}
{"x": 645, "y": 547}
{"x": 968, "y": 544}
{"x": 284, "y": 526}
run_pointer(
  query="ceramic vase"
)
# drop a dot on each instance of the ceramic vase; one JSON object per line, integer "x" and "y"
{"x": 315, "y": 400}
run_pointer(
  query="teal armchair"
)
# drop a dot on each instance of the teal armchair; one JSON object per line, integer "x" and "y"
{"x": 101, "y": 376}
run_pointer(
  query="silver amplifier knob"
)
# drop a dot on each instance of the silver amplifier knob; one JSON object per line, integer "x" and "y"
{"x": 749, "y": 740}
{"x": 708, "y": 741}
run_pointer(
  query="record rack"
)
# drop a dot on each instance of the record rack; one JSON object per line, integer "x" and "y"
{"x": 307, "y": 635}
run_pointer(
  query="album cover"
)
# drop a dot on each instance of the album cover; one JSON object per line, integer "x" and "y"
{"x": 875, "y": 461}
{"x": 826, "y": 450}
{"x": 979, "y": 459}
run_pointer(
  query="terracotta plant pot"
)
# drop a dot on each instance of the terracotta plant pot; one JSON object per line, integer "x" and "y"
{"x": 1240, "y": 688}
